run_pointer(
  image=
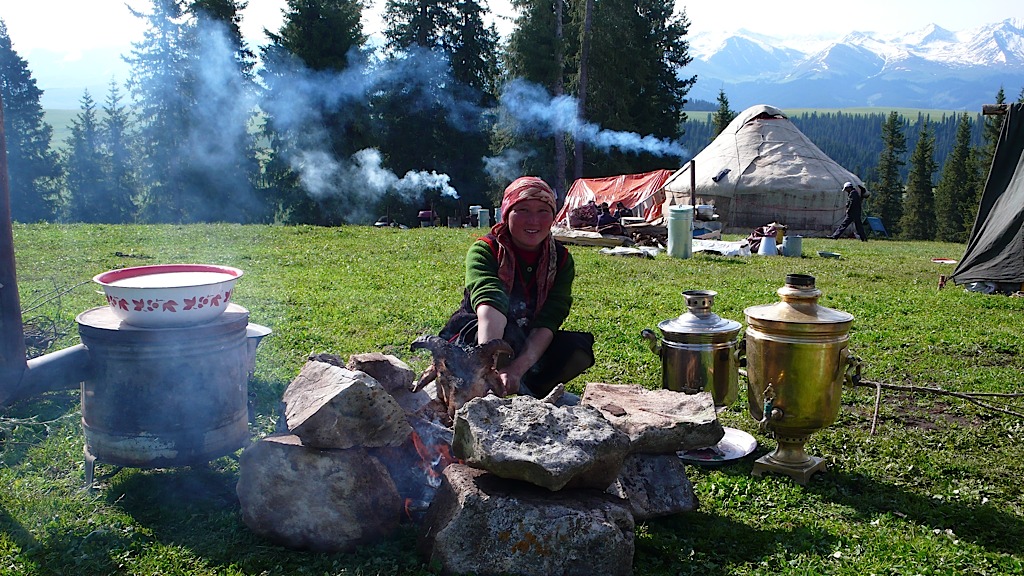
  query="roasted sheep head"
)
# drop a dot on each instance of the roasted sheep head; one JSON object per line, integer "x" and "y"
{"x": 462, "y": 372}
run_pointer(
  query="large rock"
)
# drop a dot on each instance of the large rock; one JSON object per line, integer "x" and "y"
{"x": 394, "y": 375}
{"x": 482, "y": 524}
{"x": 312, "y": 499}
{"x": 654, "y": 485}
{"x": 332, "y": 407}
{"x": 658, "y": 421}
{"x": 523, "y": 438}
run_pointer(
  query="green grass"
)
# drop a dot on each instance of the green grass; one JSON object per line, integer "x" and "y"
{"x": 936, "y": 490}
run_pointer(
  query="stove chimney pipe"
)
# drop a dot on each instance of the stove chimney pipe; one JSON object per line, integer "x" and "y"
{"x": 19, "y": 377}
{"x": 12, "y": 337}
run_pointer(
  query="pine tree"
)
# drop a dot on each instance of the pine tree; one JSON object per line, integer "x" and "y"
{"x": 223, "y": 151}
{"x": 887, "y": 197}
{"x": 990, "y": 134}
{"x": 440, "y": 98}
{"x": 537, "y": 49}
{"x": 194, "y": 104}
{"x": 639, "y": 48}
{"x": 164, "y": 90}
{"x": 956, "y": 194}
{"x": 85, "y": 166}
{"x": 116, "y": 133}
{"x": 724, "y": 115}
{"x": 318, "y": 36}
{"x": 918, "y": 220}
{"x": 33, "y": 168}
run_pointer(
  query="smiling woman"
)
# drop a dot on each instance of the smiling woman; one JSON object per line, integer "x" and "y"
{"x": 519, "y": 289}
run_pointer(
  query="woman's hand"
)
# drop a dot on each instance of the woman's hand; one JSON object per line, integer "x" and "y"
{"x": 510, "y": 376}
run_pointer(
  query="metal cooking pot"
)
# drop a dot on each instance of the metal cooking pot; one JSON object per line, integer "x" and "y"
{"x": 698, "y": 350}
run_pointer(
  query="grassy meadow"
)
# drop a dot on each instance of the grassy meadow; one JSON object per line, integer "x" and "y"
{"x": 935, "y": 490}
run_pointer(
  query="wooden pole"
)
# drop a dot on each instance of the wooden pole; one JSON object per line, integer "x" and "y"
{"x": 693, "y": 185}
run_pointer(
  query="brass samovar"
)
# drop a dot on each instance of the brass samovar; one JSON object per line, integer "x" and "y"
{"x": 797, "y": 361}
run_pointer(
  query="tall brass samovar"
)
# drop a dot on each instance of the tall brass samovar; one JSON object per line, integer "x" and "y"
{"x": 797, "y": 362}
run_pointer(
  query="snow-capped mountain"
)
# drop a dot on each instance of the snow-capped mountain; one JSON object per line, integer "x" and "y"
{"x": 928, "y": 68}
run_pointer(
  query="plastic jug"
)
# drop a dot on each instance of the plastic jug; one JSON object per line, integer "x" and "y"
{"x": 680, "y": 231}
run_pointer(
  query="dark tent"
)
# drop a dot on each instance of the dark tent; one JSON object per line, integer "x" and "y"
{"x": 995, "y": 251}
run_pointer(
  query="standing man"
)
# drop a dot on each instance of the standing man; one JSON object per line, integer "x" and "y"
{"x": 853, "y": 213}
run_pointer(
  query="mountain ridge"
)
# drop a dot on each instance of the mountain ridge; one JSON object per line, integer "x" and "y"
{"x": 927, "y": 68}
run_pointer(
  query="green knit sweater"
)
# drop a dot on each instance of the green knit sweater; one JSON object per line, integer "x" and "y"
{"x": 484, "y": 287}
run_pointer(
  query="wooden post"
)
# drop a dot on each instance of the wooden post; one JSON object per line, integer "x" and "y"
{"x": 993, "y": 109}
{"x": 693, "y": 185}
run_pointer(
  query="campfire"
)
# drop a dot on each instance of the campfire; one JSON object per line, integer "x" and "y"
{"x": 497, "y": 485}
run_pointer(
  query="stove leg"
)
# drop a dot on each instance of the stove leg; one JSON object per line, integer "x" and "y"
{"x": 90, "y": 468}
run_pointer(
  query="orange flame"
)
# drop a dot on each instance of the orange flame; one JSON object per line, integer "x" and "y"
{"x": 436, "y": 456}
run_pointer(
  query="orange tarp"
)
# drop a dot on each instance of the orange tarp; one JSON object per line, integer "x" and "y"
{"x": 641, "y": 192}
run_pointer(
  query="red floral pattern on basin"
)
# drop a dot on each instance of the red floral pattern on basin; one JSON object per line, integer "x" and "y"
{"x": 169, "y": 295}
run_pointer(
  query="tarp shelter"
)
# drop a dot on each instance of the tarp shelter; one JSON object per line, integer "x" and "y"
{"x": 641, "y": 192}
{"x": 995, "y": 250}
{"x": 763, "y": 169}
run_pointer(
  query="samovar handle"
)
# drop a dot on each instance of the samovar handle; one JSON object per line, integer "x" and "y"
{"x": 853, "y": 365}
{"x": 652, "y": 340}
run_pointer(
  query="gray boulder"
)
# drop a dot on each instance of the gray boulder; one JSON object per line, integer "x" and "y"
{"x": 657, "y": 421}
{"x": 654, "y": 485}
{"x": 312, "y": 499}
{"x": 523, "y": 438}
{"x": 482, "y": 524}
{"x": 332, "y": 407}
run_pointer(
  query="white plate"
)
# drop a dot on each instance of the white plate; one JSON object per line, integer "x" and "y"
{"x": 734, "y": 445}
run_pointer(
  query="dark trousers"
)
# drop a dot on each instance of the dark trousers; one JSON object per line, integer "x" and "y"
{"x": 568, "y": 356}
{"x": 858, "y": 226}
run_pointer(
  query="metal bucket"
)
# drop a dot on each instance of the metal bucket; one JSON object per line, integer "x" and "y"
{"x": 164, "y": 397}
{"x": 699, "y": 350}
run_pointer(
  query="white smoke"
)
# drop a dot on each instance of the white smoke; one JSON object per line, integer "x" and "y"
{"x": 506, "y": 166}
{"x": 533, "y": 108}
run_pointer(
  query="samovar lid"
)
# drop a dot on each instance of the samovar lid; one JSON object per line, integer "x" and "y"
{"x": 799, "y": 305}
{"x": 698, "y": 320}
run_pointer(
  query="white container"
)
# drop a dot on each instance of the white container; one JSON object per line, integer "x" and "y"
{"x": 484, "y": 217}
{"x": 680, "y": 231}
{"x": 768, "y": 247}
{"x": 497, "y": 213}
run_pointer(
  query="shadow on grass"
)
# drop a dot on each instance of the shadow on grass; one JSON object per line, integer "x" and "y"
{"x": 15, "y": 531}
{"x": 982, "y": 524}
{"x": 29, "y": 421}
{"x": 700, "y": 543}
{"x": 197, "y": 509}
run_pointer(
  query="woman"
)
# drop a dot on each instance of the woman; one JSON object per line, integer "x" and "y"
{"x": 519, "y": 288}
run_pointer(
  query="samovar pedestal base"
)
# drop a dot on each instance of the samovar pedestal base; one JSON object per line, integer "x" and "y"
{"x": 790, "y": 459}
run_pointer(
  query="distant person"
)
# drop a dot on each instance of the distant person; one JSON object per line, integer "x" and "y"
{"x": 854, "y": 200}
{"x": 621, "y": 211}
{"x": 605, "y": 218}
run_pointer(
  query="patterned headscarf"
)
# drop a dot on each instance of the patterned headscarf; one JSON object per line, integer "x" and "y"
{"x": 521, "y": 189}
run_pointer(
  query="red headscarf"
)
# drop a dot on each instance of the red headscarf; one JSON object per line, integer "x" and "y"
{"x": 521, "y": 189}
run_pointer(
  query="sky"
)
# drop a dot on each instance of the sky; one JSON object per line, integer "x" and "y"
{"x": 77, "y": 34}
